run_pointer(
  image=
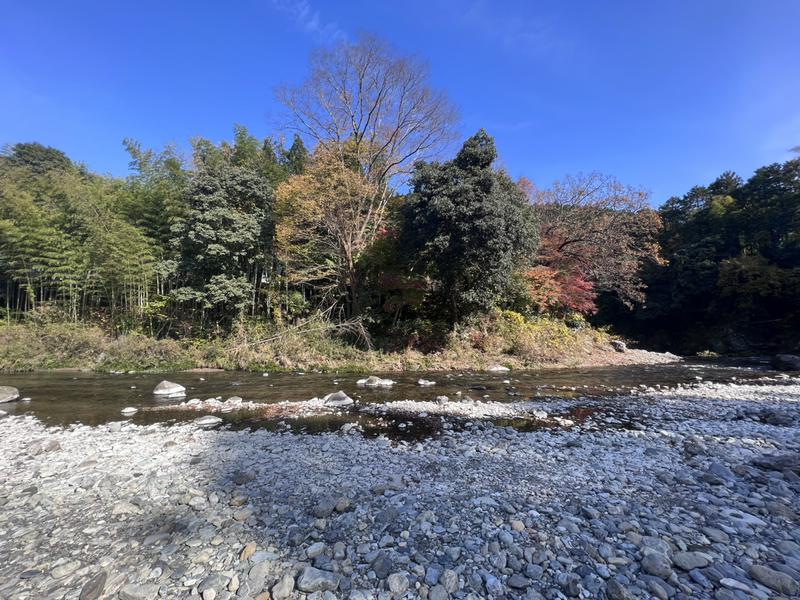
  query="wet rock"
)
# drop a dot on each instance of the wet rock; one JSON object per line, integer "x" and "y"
{"x": 207, "y": 421}
{"x": 498, "y": 369}
{"x": 169, "y": 389}
{"x": 374, "y": 381}
{"x": 129, "y": 411}
{"x": 618, "y": 345}
{"x": 8, "y": 393}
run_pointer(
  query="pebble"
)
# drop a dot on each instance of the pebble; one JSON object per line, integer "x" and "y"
{"x": 694, "y": 497}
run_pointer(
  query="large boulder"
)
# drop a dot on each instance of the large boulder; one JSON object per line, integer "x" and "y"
{"x": 169, "y": 389}
{"x": 786, "y": 362}
{"x": 8, "y": 393}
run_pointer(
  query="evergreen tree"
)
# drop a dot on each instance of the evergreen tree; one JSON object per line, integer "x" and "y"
{"x": 469, "y": 226}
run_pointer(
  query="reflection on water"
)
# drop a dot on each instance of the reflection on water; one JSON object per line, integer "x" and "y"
{"x": 63, "y": 398}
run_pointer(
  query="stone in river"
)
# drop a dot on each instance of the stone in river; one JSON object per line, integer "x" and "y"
{"x": 337, "y": 399}
{"x": 425, "y": 382}
{"x": 3, "y": 414}
{"x": 129, "y": 411}
{"x": 8, "y": 393}
{"x": 373, "y": 381}
{"x": 498, "y": 369}
{"x": 169, "y": 389}
{"x": 207, "y": 421}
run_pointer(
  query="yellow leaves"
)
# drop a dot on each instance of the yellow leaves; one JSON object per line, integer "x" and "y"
{"x": 325, "y": 218}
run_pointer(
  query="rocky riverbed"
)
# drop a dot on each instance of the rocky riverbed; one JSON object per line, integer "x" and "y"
{"x": 682, "y": 493}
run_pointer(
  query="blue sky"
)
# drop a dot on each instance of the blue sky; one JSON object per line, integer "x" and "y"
{"x": 663, "y": 95}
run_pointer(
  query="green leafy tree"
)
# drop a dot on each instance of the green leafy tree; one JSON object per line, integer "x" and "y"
{"x": 225, "y": 241}
{"x": 469, "y": 227}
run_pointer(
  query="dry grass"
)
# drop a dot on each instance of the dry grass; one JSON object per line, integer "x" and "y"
{"x": 504, "y": 338}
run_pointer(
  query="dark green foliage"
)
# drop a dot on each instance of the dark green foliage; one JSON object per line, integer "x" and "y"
{"x": 296, "y": 157}
{"x": 36, "y": 158}
{"x": 733, "y": 252}
{"x": 467, "y": 226}
{"x": 224, "y": 242}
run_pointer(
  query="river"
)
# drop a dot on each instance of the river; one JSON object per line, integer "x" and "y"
{"x": 65, "y": 398}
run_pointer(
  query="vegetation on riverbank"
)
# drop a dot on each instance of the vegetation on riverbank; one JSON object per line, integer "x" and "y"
{"x": 357, "y": 246}
{"x": 505, "y": 338}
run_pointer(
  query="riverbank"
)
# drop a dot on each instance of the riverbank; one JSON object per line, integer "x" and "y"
{"x": 501, "y": 341}
{"x": 692, "y": 496}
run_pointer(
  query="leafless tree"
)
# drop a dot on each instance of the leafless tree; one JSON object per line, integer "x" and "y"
{"x": 363, "y": 100}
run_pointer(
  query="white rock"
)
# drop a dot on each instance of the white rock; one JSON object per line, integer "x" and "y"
{"x": 498, "y": 369}
{"x": 337, "y": 399}
{"x": 169, "y": 389}
{"x": 207, "y": 421}
{"x": 8, "y": 393}
{"x": 129, "y": 411}
{"x": 374, "y": 381}
{"x": 426, "y": 382}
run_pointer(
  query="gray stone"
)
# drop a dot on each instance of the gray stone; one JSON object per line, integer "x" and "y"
{"x": 690, "y": 560}
{"x": 168, "y": 388}
{"x": 8, "y": 393}
{"x": 616, "y": 591}
{"x": 315, "y": 580}
{"x": 775, "y": 580}
{"x": 283, "y": 589}
{"x": 93, "y": 588}
{"x": 337, "y": 399}
{"x": 438, "y": 592}
{"x": 658, "y": 564}
{"x": 133, "y": 591}
{"x": 324, "y": 507}
{"x": 398, "y": 584}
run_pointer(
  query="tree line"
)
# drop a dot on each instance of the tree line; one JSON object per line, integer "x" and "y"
{"x": 359, "y": 220}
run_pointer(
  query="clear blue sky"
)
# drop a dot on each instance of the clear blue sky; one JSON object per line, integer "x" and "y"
{"x": 663, "y": 95}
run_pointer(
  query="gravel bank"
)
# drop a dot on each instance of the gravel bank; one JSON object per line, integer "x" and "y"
{"x": 694, "y": 494}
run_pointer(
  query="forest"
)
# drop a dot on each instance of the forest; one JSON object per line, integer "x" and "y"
{"x": 365, "y": 223}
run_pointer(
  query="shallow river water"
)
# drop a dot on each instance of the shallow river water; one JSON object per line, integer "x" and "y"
{"x": 64, "y": 398}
